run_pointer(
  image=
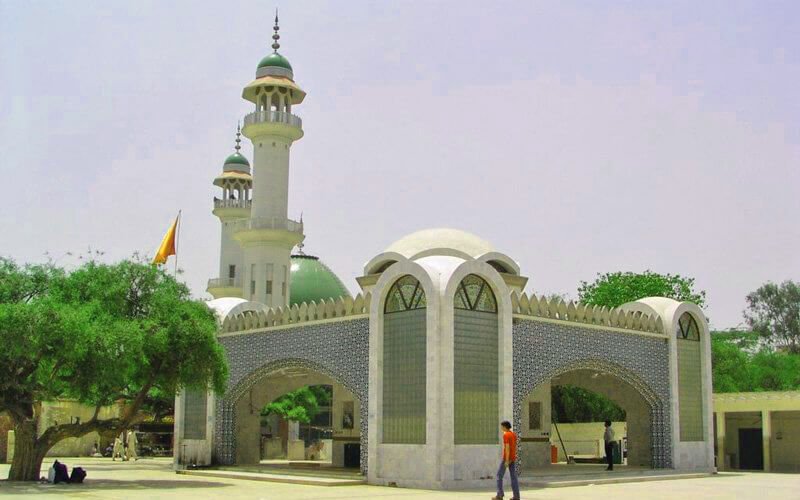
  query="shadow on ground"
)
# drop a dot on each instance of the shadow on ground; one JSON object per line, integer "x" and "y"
{"x": 9, "y": 487}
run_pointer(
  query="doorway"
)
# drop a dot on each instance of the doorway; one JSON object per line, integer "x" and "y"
{"x": 751, "y": 449}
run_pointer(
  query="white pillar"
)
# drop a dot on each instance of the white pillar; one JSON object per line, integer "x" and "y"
{"x": 766, "y": 436}
{"x": 721, "y": 440}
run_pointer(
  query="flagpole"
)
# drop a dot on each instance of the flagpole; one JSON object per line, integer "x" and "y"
{"x": 177, "y": 242}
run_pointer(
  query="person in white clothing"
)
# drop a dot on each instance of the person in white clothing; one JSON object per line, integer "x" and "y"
{"x": 118, "y": 450}
{"x": 132, "y": 442}
{"x": 608, "y": 439}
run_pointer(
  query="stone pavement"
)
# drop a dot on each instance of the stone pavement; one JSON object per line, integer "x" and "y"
{"x": 151, "y": 479}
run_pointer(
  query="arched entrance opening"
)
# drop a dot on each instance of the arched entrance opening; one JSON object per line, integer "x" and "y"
{"x": 298, "y": 425}
{"x": 570, "y": 429}
{"x": 264, "y": 434}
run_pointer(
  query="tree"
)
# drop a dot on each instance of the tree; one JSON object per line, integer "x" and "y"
{"x": 571, "y": 404}
{"x": 102, "y": 334}
{"x": 301, "y": 405}
{"x": 741, "y": 364}
{"x": 729, "y": 361}
{"x": 615, "y": 289}
{"x": 773, "y": 311}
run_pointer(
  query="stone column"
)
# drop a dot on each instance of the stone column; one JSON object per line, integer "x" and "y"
{"x": 766, "y": 433}
{"x": 721, "y": 440}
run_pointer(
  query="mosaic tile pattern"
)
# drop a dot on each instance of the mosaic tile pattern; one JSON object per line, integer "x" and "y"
{"x": 339, "y": 350}
{"x": 543, "y": 350}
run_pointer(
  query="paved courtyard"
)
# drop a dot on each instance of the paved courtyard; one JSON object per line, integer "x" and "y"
{"x": 153, "y": 479}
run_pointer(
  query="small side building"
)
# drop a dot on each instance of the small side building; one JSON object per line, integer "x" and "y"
{"x": 757, "y": 431}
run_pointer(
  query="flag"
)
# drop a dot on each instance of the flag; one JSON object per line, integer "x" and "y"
{"x": 167, "y": 247}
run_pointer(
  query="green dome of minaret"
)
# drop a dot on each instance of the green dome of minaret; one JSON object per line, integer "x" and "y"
{"x": 311, "y": 280}
{"x": 237, "y": 158}
{"x": 275, "y": 59}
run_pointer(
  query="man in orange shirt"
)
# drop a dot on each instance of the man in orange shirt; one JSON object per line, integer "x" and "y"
{"x": 509, "y": 461}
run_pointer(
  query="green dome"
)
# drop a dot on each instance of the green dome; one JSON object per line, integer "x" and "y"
{"x": 238, "y": 159}
{"x": 311, "y": 280}
{"x": 275, "y": 59}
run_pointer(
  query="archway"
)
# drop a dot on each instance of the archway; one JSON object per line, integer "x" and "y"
{"x": 246, "y": 440}
{"x": 638, "y": 434}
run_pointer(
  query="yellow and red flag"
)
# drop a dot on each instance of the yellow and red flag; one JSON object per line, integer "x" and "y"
{"x": 167, "y": 247}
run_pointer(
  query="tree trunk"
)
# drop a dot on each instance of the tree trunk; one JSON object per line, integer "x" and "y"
{"x": 28, "y": 453}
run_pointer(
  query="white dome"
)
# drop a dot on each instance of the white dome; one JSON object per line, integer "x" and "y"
{"x": 223, "y": 305}
{"x": 440, "y": 241}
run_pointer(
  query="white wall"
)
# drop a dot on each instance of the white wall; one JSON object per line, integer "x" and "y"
{"x": 785, "y": 441}
{"x": 193, "y": 451}
{"x": 536, "y": 453}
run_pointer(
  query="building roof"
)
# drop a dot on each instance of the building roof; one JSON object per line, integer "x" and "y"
{"x": 311, "y": 280}
{"x": 428, "y": 241}
{"x": 232, "y": 175}
{"x": 756, "y": 396}
{"x": 249, "y": 92}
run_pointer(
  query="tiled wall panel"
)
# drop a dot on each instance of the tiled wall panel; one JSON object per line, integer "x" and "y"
{"x": 543, "y": 350}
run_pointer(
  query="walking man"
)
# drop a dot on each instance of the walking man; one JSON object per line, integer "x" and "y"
{"x": 509, "y": 462}
{"x": 118, "y": 450}
{"x": 131, "y": 449}
{"x": 608, "y": 438}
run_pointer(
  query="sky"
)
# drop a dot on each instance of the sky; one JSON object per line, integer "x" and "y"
{"x": 577, "y": 137}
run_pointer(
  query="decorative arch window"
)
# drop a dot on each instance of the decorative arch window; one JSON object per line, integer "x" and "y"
{"x": 474, "y": 294}
{"x": 404, "y": 363}
{"x": 406, "y": 294}
{"x": 690, "y": 379}
{"x": 476, "y": 363}
{"x": 687, "y": 327}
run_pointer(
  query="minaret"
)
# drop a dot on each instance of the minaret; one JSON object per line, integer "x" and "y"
{"x": 236, "y": 183}
{"x": 268, "y": 236}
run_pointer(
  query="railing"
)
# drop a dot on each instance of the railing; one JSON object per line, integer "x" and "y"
{"x": 232, "y": 203}
{"x": 268, "y": 223}
{"x": 224, "y": 282}
{"x": 273, "y": 117}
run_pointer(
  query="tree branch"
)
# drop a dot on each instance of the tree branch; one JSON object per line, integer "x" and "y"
{"x": 96, "y": 412}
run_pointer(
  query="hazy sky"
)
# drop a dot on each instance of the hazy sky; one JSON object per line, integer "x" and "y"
{"x": 577, "y": 137}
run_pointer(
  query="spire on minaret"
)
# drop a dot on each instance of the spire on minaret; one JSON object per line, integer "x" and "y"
{"x": 275, "y": 35}
{"x": 238, "y": 137}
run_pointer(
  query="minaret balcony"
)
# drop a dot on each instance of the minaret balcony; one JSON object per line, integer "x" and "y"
{"x": 274, "y": 223}
{"x": 225, "y": 287}
{"x": 232, "y": 203}
{"x": 268, "y": 122}
{"x": 266, "y": 229}
{"x": 232, "y": 209}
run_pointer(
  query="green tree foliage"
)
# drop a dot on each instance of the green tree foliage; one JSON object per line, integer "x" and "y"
{"x": 571, "y": 404}
{"x": 615, "y": 289}
{"x": 101, "y": 334}
{"x": 773, "y": 311}
{"x": 741, "y": 364}
{"x": 301, "y": 405}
